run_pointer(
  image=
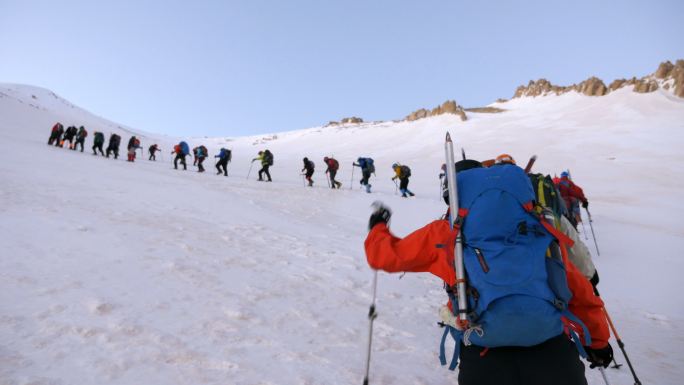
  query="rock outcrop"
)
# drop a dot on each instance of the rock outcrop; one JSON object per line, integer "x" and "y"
{"x": 539, "y": 87}
{"x": 352, "y": 120}
{"x": 677, "y": 74}
{"x": 448, "y": 107}
{"x": 643, "y": 86}
{"x": 668, "y": 76}
{"x": 592, "y": 87}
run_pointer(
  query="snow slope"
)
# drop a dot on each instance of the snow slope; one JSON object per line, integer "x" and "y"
{"x": 119, "y": 273}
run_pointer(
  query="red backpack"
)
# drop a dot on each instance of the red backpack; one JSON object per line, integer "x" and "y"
{"x": 333, "y": 164}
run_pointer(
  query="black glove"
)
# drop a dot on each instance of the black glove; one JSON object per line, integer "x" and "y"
{"x": 585, "y": 204}
{"x": 599, "y": 357}
{"x": 381, "y": 214}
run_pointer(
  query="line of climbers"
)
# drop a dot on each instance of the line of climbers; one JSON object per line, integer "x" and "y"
{"x": 571, "y": 194}
{"x": 58, "y": 136}
{"x": 531, "y": 288}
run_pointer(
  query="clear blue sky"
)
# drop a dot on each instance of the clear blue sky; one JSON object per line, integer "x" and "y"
{"x": 244, "y": 67}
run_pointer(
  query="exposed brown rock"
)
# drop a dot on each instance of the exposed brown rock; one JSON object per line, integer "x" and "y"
{"x": 448, "y": 107}
{"x": 664, "y": 70}
{"x": 419, "y": 114}
{"x": 353, "y": 119}
{"x": 617, "y": 83}
{"x": 592, "y": 87}
{"x": 643, "y": 86}
{"x": 501, "y": 100}
{"x": 677, "y": 74}
{"x": 539, "y": 87}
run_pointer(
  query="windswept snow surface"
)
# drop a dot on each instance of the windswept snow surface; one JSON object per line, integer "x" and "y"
{"x": 120, "y": 273}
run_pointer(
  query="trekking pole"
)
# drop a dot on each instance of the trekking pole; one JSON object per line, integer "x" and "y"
{"x": 396, "y": 187}
{"x": 603, "y": 373}
{"x": 327, "y": 179}
{"x": 250, "y": 169}
{"x": 371, "y": 317}
{"x": 584, "y": 229}
{"x": 454, "y": 217}
{"x": 592, "y": 230}
{"x": 352, "y": 178}
{"x": 622, "y": 347}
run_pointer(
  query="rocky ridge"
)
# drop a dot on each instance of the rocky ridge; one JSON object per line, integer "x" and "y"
{"x": 448, "y": 107}
{"x": 668, "y": 76}
{"x": 352, "y": 120}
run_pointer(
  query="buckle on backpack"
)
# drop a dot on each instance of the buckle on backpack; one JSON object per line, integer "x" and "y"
{"x": 559, "y": 304}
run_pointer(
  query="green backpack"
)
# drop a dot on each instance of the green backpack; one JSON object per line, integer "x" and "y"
{"x": 546, "y": 193}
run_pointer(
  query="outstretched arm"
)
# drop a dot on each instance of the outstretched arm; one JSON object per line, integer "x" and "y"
{"x": 428, "y": 249}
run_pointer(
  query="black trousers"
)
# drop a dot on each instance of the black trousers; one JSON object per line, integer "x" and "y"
{"x": 54, "y": 137}
{"x": 333, "y": 182}
{"x": 98, "y": 146}
{"x": 200, "y": 160}
{"x": 180, "y": 157}
{"x": 264, "y": 170}
{"x": 403, "y": 183}
{"x": 152, "y": 156}
{"x": 365, "y": 177}
{"x": 553, "y": 362}
{"x": 70, "y": 139}
{"x": 114, "y": 150}
{"x": 222, "y": 163}
{"x": 79, "y": 141}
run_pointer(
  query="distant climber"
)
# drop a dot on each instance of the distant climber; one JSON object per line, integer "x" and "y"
{"x": 266, "y": 159}
{"x": 333, "y": 166}
{"x": 80, "y": 138}
{"x": 98, "y": 142}
{"x": 181, "y": 150}
{"x": 113, "y": 146}
{"x": 56, "y": 134}
{"x": 402, "y": 172}
{"x": 308, "y": 170}
{"x": 69, "y": 135}
{"x": 200, "y": 156}
{"x": 573, "y": 195}
{"x": 153, "y": 149}
{"x": 367, "y": 168}
{"x": 224, "y": 156}
{"x": 133, "y": 145}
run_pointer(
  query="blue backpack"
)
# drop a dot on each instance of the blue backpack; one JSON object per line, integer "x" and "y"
{"x": 517, "y": 286}
{"x": 224, "y": 154}
{"x": 185, "y": 148}
{"x": 367, "y": 163}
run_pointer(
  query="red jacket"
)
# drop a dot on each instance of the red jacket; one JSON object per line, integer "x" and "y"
{"x": 430, "y": 249}
{"x": 570, "y": 192}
